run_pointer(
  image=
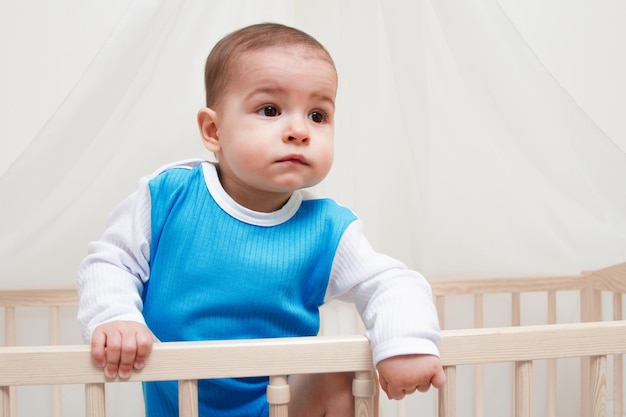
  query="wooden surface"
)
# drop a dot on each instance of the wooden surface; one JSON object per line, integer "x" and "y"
{"x": 188, "y": 398}
{"x": 39, "y": 297}
{"x": 514, "y": 344}
{"x": 189, "y": 361}
{"x": 507, "y": 285}
{"x": 217, "y": 359}
{"x": 611, "y": 278}
{"x": 95, "y": 400}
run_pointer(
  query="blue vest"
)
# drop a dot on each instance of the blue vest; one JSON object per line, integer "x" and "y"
{"x": 214, "y": 277}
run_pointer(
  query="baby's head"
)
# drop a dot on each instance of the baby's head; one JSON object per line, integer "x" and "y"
{"x": 223, "y": 62}
{"x": 269, "y": 118}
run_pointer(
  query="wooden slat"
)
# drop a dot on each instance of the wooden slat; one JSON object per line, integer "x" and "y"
{"x": 188, "y": 398}
{"x": 516, "y": 309}
{"x": 278, "y": 396}
{"x": 55, "y": 339}
{"x": 363, "y": 389}
{"x": 401, "y": 408}
{"x": 598, "y": 386}
{"x": 10, "y": 337}
{"x": 618, "y": 384}
{"x": 95, "y": 401}
{"x": 440, "y": 303}
{"x": 551, "y": 381}
{"x": 479, "y": 408}
{"x": 446, "y": 398}
{"x": 5, "y": 401}
{"x": 516, "y": 319}
{"x": 591, "y": 311}
{"x": 508, "y": 285}
{"x": 523, "y": 389}
{"x": 9, "y": 326}
{"x": 618, "y": 365}
{"x": 39, "y": 297}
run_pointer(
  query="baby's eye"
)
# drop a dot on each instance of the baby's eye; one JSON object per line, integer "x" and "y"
{"x": 317, "y": 117}
{"x": 269, "y": 111}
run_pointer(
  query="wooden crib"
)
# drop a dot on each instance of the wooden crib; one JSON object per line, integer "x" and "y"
{"x": 530, "y": 351}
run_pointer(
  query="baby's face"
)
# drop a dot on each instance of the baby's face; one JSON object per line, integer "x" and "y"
{"x": 275, "y": 123}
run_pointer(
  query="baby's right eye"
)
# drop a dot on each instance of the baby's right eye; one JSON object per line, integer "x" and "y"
{"x": 269, "y": 111}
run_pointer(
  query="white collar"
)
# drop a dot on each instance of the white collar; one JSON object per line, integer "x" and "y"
{"x": 242, "y": 213}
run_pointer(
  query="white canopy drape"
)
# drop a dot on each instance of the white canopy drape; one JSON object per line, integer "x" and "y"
{"x": 467, "y": 139}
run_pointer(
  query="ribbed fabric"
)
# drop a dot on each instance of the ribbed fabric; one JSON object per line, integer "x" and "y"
{"x": 213, "y": 276}
{"x": 395, "y": 302}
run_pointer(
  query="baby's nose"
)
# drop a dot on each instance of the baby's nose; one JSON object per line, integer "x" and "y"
{"x": 297, "y": 131}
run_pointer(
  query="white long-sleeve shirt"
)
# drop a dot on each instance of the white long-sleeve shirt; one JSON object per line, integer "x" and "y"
{"x": 395, "y": 303}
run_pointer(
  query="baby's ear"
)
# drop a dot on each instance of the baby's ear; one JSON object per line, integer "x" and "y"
{"x": 208, "y": 125}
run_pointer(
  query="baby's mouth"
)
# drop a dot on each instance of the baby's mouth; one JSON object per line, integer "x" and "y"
{"x": 294, "y": 159}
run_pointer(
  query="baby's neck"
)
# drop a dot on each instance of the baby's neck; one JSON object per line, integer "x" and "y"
{"x": 255, "y": 200}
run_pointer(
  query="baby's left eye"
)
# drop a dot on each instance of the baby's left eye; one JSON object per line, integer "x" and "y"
{"x": 317, "y": 117}
{"x": 269, "y": 111}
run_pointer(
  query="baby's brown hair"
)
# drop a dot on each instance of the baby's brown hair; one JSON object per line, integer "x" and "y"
{"x": 221, "y": 64}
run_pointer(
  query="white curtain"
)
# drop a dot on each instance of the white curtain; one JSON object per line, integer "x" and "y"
{"x": 475, "y": 139}
{"x": 464, "y": 154}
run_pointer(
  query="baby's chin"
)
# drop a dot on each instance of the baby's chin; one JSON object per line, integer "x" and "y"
{"x": 294, "y": 184}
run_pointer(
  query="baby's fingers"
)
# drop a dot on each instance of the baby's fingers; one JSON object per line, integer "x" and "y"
{"x": 393, "y": 392}
{"x": 98, "y": 352}
{"x": 120, "y": 346}
{"x": 439, "y": 380}
{"x": 113, "y": 354}
{"x": 144, "y": 347}
{"x": 127, "y": 355}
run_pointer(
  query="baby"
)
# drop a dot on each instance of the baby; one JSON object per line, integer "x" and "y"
{"x": 238, "y": 249}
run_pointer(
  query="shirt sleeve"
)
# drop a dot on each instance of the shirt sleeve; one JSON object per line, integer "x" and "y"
{"x": 112, "y": 275}
{"x": 395, "y": 303}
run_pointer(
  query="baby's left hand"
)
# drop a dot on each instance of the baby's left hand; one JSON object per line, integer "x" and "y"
{"x": 402, "y": 375}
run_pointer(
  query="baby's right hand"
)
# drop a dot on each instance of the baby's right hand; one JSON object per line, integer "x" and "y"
{"x": 120, "y": 346}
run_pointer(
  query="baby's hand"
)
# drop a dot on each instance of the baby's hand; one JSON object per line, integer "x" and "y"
{"x": 402, "y": 375}
{"x": 120, "y": 346}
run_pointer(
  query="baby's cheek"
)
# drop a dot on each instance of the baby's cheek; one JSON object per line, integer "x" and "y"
{"x": 326, "y": 158}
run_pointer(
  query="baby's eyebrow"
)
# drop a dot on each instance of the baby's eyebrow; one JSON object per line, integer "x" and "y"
{"x": 279, "y": 91}
{"x": 266, "y": 91}
{"x": 325, "y": 98}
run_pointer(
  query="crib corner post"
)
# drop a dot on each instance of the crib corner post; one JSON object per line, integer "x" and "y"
{"x": 278, "y": 396}
{"x": 364, "y": 391}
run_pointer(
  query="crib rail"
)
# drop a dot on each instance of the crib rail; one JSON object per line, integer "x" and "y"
{"x": 522, "y": 346}
{"x": 53, "y": 300}
{"x": 38, "y": 297}
{"x": 593, "y": 303}
{"x": 190, "y": 361}
{"x": 590, "y": 286}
